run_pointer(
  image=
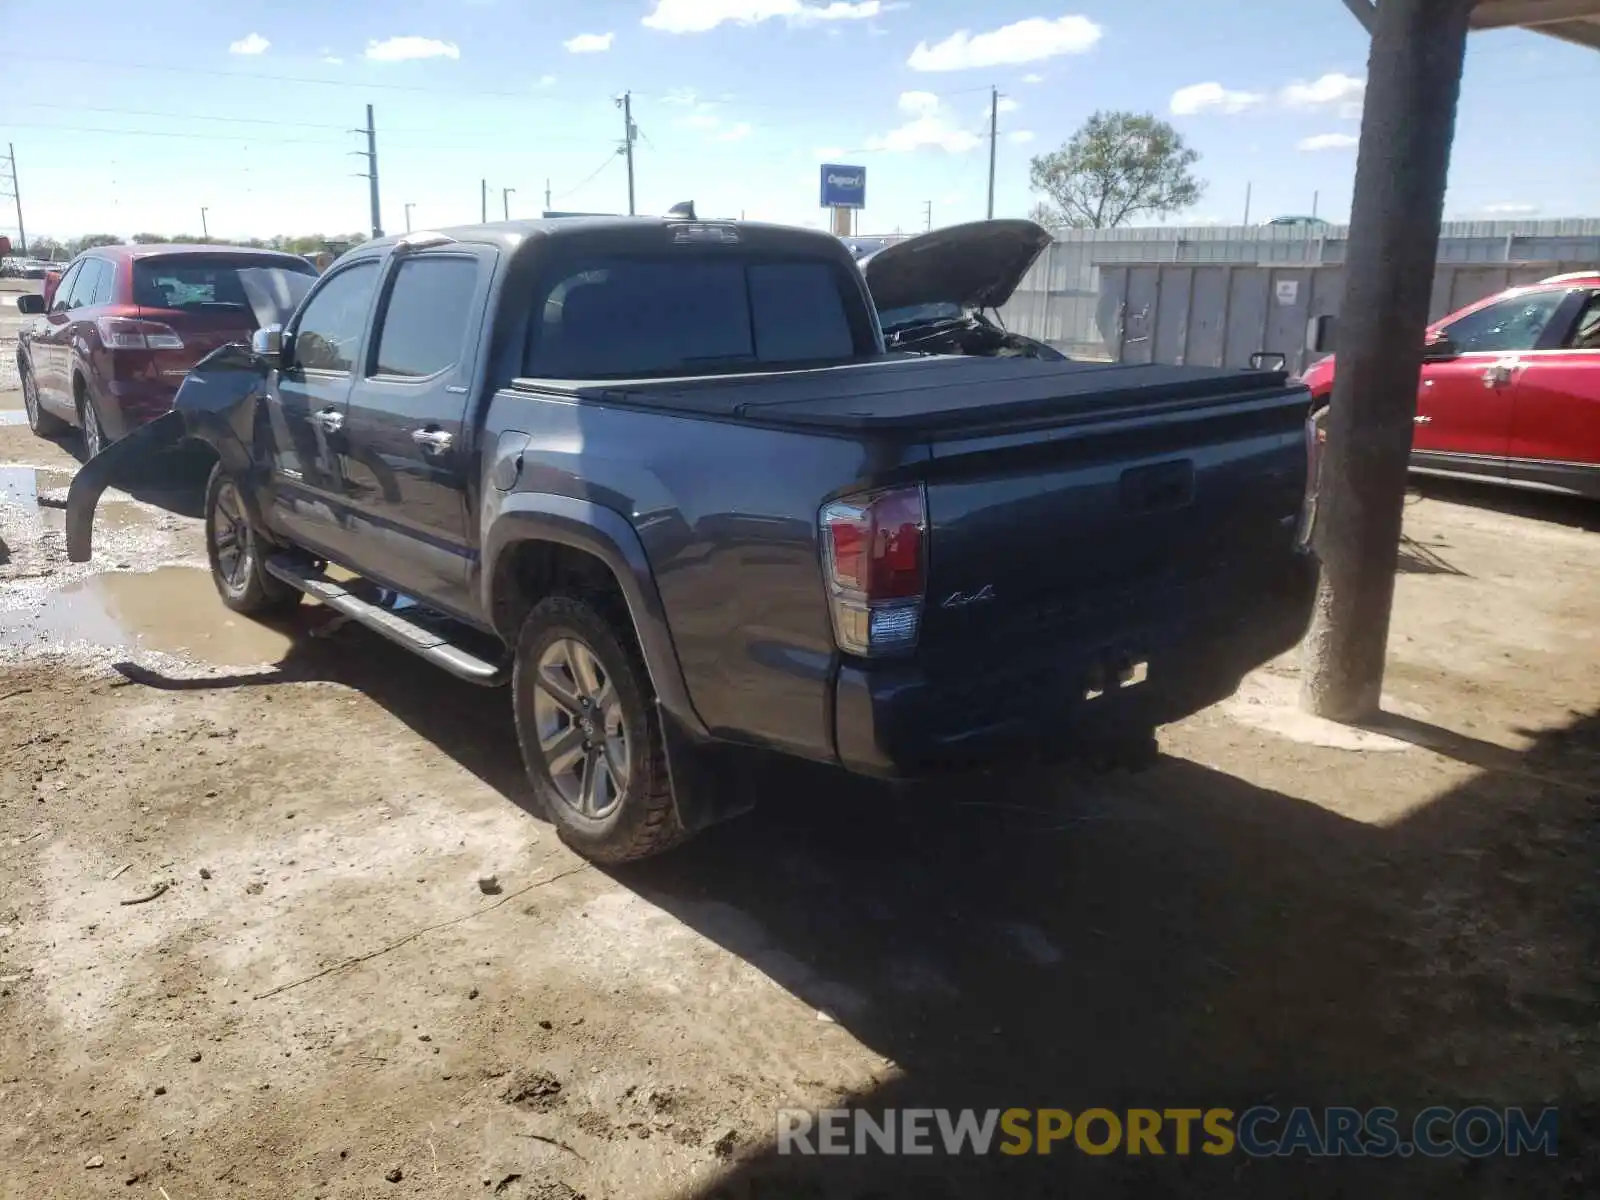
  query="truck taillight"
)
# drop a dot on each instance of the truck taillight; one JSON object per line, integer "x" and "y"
{"x": 125, "y": 333}
{"x": 875, "y": 559}
{"x": 1316, "y": 442}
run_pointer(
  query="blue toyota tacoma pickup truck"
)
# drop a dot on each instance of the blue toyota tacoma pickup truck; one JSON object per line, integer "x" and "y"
{"x": 662, "y": 478}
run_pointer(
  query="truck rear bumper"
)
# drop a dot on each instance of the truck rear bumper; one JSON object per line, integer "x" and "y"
{"x": 908, "y": 719}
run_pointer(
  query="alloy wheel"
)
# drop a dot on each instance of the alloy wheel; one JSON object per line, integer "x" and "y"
{"x": 582, "y": 730}
{"x": 93, "y": 438}
{"x": 30, "y": 398}
{"x": 230, "y": 537}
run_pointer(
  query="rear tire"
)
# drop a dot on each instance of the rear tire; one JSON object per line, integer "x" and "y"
{"x": 43, "y": 424}
{"x": 590, "y": 735}
{"x": 94, "y": 436}
{"x": 235, "y": 552}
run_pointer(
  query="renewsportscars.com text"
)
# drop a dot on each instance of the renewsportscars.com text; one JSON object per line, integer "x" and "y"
{"x": 1259, "y": 1132}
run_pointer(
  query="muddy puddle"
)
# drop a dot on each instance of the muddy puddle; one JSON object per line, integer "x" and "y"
{"x": 37, "y": 488}
{"x": 173, "y": 610}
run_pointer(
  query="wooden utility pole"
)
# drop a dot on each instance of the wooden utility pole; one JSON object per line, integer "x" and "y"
{"x": 629, "y": 132}
{"x": 1413, "y": 81}
{"x": 994, "y": 137}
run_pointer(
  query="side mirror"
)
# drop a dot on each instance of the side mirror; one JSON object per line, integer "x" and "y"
{"x": 267, "y": 344}
{"x": 30, "y": 304}
{"x": 1320, "y": 333}
{"x": 1439, "y": 345}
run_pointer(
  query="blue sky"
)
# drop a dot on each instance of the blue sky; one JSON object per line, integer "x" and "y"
{"x": 137, "y": 115}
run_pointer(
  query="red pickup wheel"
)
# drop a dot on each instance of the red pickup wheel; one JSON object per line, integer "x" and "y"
{"x": 590, "y": 736}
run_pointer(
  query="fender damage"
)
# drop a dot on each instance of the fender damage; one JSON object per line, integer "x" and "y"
{"x": 215, "y": 404}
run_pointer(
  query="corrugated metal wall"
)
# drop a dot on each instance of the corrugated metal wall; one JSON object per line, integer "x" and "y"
{"x": 1217, "y": 295}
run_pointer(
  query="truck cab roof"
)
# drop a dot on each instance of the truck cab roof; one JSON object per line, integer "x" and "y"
{"x": 516, "y": 237}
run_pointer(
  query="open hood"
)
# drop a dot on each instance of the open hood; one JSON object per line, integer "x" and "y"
{"x": 976, "y": 265}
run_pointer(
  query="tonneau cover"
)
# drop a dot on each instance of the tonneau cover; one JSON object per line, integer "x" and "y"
{"x": 915, "y": 393}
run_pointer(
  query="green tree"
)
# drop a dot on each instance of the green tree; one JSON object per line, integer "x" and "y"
{"x": 90, "y": 240}
{"x": 48, "y": 248}
{"x": 149, "y": 239}
{"x": 1118, "y": 166}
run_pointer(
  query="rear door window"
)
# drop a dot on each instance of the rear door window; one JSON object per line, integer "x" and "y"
{"x": 425, "y": 319}
{"x": 108, "y": 277}
{"x": 1586, "y": 329}
{"x": 619, "y": 317}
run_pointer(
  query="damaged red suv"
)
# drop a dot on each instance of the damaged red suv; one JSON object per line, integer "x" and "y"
{"x": 116, "y": 332}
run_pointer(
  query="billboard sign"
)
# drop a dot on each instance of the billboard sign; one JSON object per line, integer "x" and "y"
{"x": 843, "y": 187}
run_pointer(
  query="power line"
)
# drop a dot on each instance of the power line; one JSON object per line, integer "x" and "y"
{"x": 589, "y": 178}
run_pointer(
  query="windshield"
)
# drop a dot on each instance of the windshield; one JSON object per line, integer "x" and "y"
{"x": 627, "y": 317}
{"x": 917, "y": 314}
{"x": 269, "y": 290}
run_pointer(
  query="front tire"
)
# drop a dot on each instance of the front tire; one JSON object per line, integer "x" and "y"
{"x": 591, "y": 739}
{"x": 235, "y": 553}
{"x": 43, "y": 424}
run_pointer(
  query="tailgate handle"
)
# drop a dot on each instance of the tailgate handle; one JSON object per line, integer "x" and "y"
{"x": 1159, "y": 486}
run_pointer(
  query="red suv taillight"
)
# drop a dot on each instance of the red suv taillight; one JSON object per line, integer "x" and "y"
{"x": 875, "y": 560}
{"x": 125, "y": 333}
{"x": 1316, "y": 440}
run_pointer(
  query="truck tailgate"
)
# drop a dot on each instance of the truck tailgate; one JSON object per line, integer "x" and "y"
{"x": 1095, "y": 527}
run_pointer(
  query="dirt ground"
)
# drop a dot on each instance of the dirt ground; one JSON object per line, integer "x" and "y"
{"x": 249, "y": 946}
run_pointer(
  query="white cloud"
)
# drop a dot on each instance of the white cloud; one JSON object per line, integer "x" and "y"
{"x": 1007, "y": 104}
{"x": 547, "y": 81}
{"x": 1020, "y": 135}
{"x": 828, "y": 153}
{"x": 333, "y": 60}
{"x": 589, "y": 43}
{"x": 1198, "y": 97}
{"x": 251, "y": 44}
{"x": 698, "y": 16}
{"x": 1031, "y": 78}
{"x": 1510, "y": 210}
{"x": 927, "y": 129}
{"x": 1020, "y": 42}
{"x": 699, "y": 120}
{"x": 1342, "y": 93}
{"x": 685, "y": 96}
{"x": 1328, "y": 141}
{"x": 735, "y": 133}
{"x": 918, "y": 104}
{"x": 399, "y": 49}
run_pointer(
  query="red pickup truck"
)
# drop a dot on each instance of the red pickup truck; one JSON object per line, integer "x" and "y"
{"x": 1510, "y": 388}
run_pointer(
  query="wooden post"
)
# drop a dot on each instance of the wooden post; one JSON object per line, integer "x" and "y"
{"x": 1413, "y": 79}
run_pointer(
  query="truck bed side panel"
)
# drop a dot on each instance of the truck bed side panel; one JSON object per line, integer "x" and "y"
{"x": 727, "y": 517}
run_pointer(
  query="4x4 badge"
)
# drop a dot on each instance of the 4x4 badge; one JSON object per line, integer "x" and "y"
{"x": 962, "y": 599}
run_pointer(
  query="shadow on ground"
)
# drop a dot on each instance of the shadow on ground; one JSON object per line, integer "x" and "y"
{"x": 1554, "y": 507}
{"x": 174, "y": 481}
{"x": 1177, "y": 937}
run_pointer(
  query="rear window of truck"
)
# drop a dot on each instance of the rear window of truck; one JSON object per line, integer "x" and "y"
{"x": 622, "y": 317}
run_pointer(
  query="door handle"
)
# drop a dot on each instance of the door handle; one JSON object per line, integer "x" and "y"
{"x": 330, "y": 419}
{"x": 1497, "y": 376}
{"x": 432, "y": 441}
{"x": 1422, "y": 420}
